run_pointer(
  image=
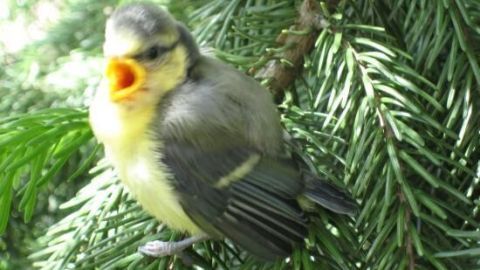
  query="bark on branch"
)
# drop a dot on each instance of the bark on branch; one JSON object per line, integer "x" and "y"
{"x": 281, "y": 75}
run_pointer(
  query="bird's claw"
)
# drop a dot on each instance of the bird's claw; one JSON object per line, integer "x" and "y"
{"x": 160, "y": 248}
{"x": 157, "y": 249}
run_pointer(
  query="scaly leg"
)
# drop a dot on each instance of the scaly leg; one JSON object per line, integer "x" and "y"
{"x": 162, "y": 248}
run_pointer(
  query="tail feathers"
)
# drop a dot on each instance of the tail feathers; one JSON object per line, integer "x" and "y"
{"x": 329, "y": 196}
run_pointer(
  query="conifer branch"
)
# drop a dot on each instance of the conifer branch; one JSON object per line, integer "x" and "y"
{"x": 299, "y": 40}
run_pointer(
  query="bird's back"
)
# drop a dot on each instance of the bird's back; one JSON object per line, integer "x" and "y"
{"x": 220, "y": 105}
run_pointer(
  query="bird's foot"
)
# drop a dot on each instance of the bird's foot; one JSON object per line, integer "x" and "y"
{"x": 159, "y": 248}
{"x": 162, "y": 248}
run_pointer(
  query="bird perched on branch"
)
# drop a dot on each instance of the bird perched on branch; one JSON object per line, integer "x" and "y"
{"x": 198, "y": 143}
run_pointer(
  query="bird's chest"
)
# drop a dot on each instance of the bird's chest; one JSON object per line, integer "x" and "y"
{"x": 136, "y": 157}
{"x": 148, "y": 180}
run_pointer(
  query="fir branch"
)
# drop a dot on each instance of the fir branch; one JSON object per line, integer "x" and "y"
{"x": 299, "y": 42}
{"x": 36, "y": 147}
{"x": 409, "y": 244}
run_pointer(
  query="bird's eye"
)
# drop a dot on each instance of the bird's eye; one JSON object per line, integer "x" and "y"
{"x": 153, "y": 53}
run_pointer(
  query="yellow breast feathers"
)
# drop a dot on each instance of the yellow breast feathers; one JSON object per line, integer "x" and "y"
{"x": 132, "y": 151}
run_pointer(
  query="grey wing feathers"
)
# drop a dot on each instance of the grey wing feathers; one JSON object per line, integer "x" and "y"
{"x": 328, "y": 195}
{"x": 210, "y": 126}
{"x": 259, "y": 212}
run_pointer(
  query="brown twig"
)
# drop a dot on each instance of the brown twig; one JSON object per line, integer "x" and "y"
{"x": 408, "y": 239}
{"x": 409, "y": 244}
{"x": 281, "y": 75}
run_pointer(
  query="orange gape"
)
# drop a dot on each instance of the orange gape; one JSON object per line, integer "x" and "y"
{"x": 125, "y": 77}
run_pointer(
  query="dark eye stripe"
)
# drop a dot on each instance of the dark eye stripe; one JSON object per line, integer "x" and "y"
{"x": 155, "y": 52}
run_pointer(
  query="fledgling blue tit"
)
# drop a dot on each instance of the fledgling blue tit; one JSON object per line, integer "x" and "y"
{"x": 198, "y": 143}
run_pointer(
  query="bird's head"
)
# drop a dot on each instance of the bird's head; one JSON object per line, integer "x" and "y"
{"x": 148, "y": 53}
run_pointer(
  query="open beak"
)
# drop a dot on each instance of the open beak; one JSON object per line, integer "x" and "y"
{"x": 125, "y": 77}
